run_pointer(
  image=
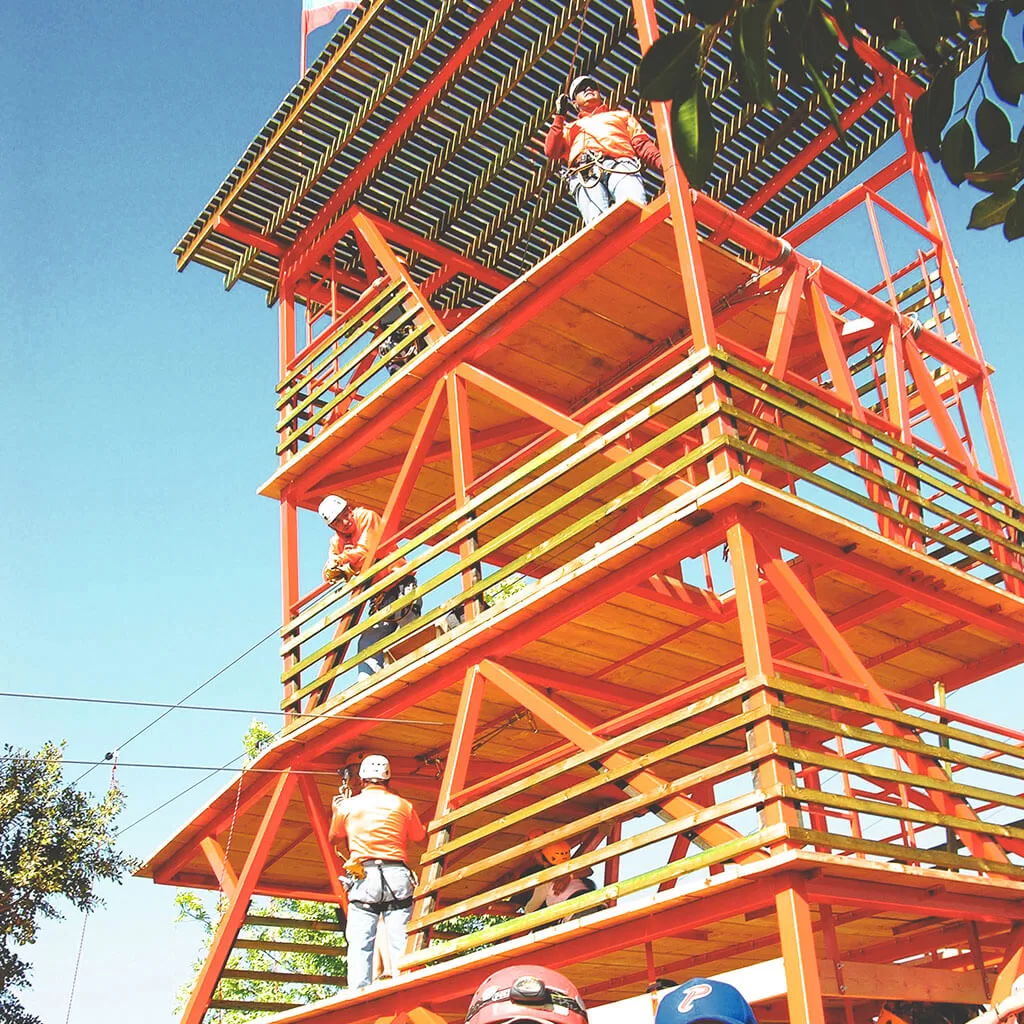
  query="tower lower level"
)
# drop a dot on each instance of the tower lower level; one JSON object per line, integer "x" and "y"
{"x": 703, "y": 531}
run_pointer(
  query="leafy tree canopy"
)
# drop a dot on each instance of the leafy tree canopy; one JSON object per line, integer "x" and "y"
{"x": 55, "y": 844}
{"x": 806, "y": 40}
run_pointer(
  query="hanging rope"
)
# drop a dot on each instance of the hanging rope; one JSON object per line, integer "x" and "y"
{"x": 576, "y": 49}
{"x": 112, "y": 758}
{"x": 78, "y": 962}
{"x": 231, "y": 828}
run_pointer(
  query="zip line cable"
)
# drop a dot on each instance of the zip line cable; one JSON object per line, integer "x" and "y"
{"x": 176, "y": 767}
{"x": 203, "y": 707}
{"x": 178, "y": 796}
{"x": 192, "y": 693}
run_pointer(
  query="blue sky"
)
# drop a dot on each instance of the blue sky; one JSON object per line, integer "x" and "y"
{"x": 139, "y": 420}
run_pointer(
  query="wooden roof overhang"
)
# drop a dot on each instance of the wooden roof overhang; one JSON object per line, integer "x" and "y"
{"x": 913, "y": 620}
{"x": 432, "y": 114}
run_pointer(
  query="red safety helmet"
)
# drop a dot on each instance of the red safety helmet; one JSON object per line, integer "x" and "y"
{"x": 527, "y": 993}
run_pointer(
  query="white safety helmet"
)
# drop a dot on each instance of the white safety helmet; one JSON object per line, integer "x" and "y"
{"x": 331, "y": 507}
{"x": 579, "y": 82}
{"x": 375, "y": 768}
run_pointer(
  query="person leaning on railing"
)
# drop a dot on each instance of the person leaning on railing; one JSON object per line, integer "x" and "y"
{"x": 356, "y": 532}
{"x": 558, "y": 890}
{"x": 377, "y": 826}
{"x": 605, "y": 150}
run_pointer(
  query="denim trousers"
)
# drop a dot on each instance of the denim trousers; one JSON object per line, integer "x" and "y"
{"x": 619, "y": 179}
{"x": 382, "y": 882}
{"x": 368, "y": 637}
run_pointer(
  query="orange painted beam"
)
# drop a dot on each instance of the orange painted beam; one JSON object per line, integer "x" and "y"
{"x": 577, "y": 733}
{"x": 232, "y": 918}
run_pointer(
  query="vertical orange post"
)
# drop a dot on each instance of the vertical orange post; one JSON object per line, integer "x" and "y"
{"x": 462, "y": 475}
{"x": 758, "y": 664}
{"x": 699, "y": 309}
{"x": 1012, "y": 966}
{"x": 290, "y": 591}
{"x": 456, "y": 767}
{"x": 285, "y": 342}
{"x": 796, "y": 934}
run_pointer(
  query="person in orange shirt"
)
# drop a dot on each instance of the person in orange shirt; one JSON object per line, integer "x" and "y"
{"x": 377, "y": 827}
{"x": 356, "y": 533}
{"x": 604, "y": 149}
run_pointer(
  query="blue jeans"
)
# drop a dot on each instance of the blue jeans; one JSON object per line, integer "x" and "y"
{"x": 368, "y": 637}
{"x": 606, "y": 183}
{"x": 382, "y": 882}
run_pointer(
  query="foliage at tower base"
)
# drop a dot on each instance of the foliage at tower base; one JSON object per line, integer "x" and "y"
{"x": 306, "y": 915}
{"x": 55, "y": 844}
{"x": 806, "y": 40}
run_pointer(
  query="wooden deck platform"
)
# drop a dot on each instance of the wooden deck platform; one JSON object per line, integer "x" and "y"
{"x": 726, "y": 922}
{"x": 911, "y": 619}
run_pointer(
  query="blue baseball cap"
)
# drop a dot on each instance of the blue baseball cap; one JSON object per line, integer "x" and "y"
{"x": 702, "y": 999}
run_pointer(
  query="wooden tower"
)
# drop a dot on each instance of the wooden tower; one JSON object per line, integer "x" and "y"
{"x": 721, "y": 526}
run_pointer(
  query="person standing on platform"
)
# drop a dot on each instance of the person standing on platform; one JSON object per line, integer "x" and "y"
{"x": 377, "y": 826}
{"x": 357, "y": 531}
{"x": 704, "y": 1001}
{"x": 527, "y": 994}
{"x": 604, "y": 150}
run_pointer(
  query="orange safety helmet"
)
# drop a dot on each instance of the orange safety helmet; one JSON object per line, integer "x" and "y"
{"x": 527, "y": 994}
{"x": 557, "y": 853}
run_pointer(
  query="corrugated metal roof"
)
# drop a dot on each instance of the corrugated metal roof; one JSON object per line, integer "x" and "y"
{"x": 470, "y": 172}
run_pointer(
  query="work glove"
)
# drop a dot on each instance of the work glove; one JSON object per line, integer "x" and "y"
{"x": 562, "y": 105}
{"x": 334, "y": 573}
{"x": 355, "y": 869}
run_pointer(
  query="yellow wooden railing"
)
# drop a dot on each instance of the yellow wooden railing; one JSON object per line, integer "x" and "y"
{"x": 796, "y": 439}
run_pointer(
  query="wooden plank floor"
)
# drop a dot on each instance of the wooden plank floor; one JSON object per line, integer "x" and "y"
{"x": 709, "y": 947}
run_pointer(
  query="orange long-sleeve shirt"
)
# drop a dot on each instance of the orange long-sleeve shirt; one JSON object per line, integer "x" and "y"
{"x": 378, "y": 825}
{"x": 352, "y": 548}
{"x": 615, "y": 133}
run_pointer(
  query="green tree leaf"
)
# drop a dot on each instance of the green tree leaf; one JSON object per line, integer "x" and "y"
{"x": 821, "y": 87}
{"x": 55, "y": 846}
{"x": 1005, "y": 73}
{"x": 958, "y": 151}
{"x": 1013, "y": 225}
{"x": 670, "y": 68}
{"x": 903, "y": 46}
{"x": 931, "y": 111}
{"x": 991, "y": 211}
{"x": 926, "y": 22}
{"x": 999, "y": 171}
{"x": 787, "y": 53}
{"x": 821, "y": 41}
{"x": 750, "y": 51}
{"x": 993, "y": 125}
{"x": 709, "y": 11}
{"x": 693, "y": 136}
{"x": 877, "y": 16}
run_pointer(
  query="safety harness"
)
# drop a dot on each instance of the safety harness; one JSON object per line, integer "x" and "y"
{"x": 383, "y": 906}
